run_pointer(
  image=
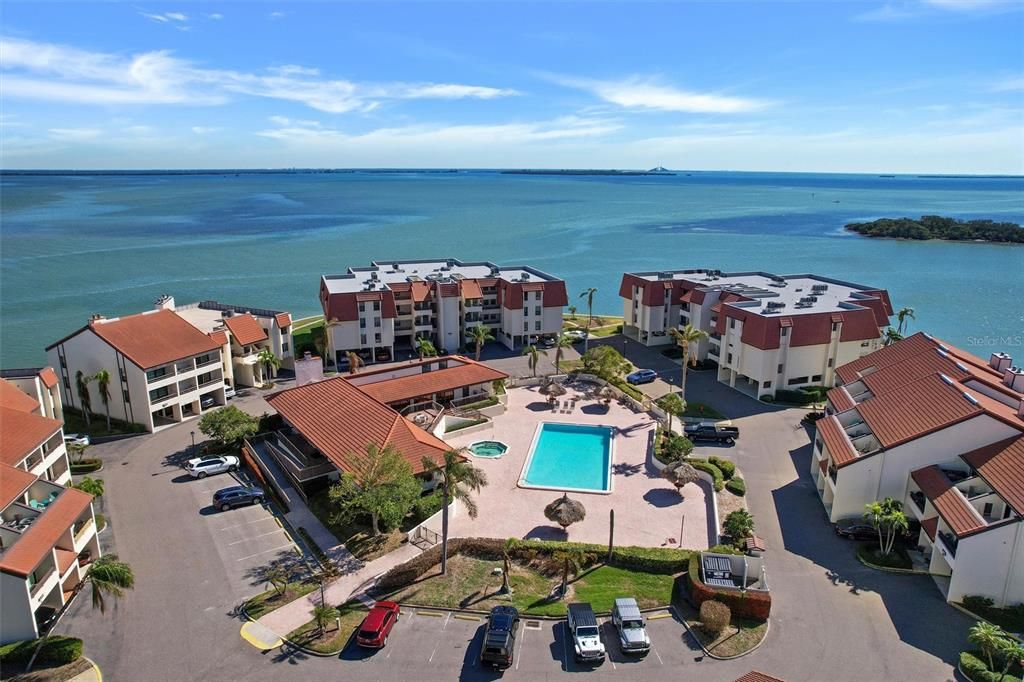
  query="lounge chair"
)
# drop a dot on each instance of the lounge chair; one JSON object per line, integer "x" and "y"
{"x": 35, "y": 504}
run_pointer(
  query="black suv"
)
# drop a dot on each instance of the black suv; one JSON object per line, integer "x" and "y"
{"x": 500, "y": 637}
{"x": 227, "y": 498}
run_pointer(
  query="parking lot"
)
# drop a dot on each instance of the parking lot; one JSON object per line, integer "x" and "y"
{"x": 428, "y": 644}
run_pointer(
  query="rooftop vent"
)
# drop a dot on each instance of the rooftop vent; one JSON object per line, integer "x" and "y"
{"x": 1013, "y": 377}
{"x": 819, "y": 288}
{"x": 1000, "y": 361}
{"x": 970, "y": 398}
{"x": 525, "y": 277}
{"x": 664, "y": 275}
{"x": 946, "y": 379}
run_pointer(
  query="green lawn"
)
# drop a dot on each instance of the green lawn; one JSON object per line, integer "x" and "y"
{"x": 355, "y": 536}
{"x": 702, "y": 410}
{"x": 270, "y": 600}
{"x": 74, "y": 422}
{"x": 471, "y": 584}
{"x": 333, "y": 638}
{"x": 302, "y": 333}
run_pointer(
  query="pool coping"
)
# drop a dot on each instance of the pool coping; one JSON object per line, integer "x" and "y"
{"x": 490, "y": 440}
{"x": 612, "y": 431}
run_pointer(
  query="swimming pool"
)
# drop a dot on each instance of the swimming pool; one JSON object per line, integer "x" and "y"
{"x": 569, "y": 457}
{"x": 488, "y": 448}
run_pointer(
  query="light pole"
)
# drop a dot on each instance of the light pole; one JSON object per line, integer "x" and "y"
{"x": 193, "y": 434}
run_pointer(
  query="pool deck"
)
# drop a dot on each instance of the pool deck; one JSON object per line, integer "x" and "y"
{"x": 648, "y": 510}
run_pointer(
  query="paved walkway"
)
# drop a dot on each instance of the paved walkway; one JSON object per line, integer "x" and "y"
{"x": 351, "y": 584}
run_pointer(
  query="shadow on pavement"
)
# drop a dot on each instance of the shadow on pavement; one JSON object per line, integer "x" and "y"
{"x": 471, "y": 667}
{"x": 546, "y": 533}
{"x": 662, "y": 497}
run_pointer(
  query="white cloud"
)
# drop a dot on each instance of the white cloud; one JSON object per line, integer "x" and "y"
{"x": 74, "y": 134}
{"x": 61, "y": 73}
{"x": 646, "y": 94}
{"x": 966, "y": 5}
{"x": 215, "y": 16}
{"x": 884, "y": 13}
{"x": 204, "y": 130}
{"x": 1009, "y": 85}
{"x": 278, "y": 15}
{"x": 176, "y": 19}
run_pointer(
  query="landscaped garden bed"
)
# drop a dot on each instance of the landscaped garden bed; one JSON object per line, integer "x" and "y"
{"x": 275, "y": 598}
{"x": 898, "y": 558}
{"x": 1009, "y": 618}
{"x": 59, "y": 659}
{"x": 740, "y": 636}
{"x": 332, "y": 639}
{"x": 74, "y": 422}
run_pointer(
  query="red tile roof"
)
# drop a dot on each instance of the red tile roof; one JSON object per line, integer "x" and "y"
{"x": 840, "y": 399}
{"x": 340, "y": 421}
{"x": 909, "y": 349}
{"x": 468, "y": 373}
{"x": 48, "y": 377}
{"x": 150, "y": 339}
{"x": 12, "y": 397}
{"x": 23, "y": 432}
{"x": 1002, "y": 466}
{"x": 823, "y": 465}
{"x": 839, "y": 446}
{"x": 64, "y": 559}
{"x": 919, "y": 408}
{"x": 420, "y": 292}
{"x": 245, "y": 328}
{"x": 951, "y": 504}
{"x": 283, "y": 319}
{"x": 471, "y": 289}
{"x": 13, "y": 482}
{"x": 921, "y": 365}
{"x": 35, "y": 543}
{"x": 930, "y": 526}
{"x": 755, "y": 676}
{"x": 220, "y": 337}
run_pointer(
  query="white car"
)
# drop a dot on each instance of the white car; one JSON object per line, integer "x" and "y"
{"x": 576, "y": 335}
{"x": 76, "y": 439}
{"x": 201, "y": 467}
{"x": 229, "y": 392}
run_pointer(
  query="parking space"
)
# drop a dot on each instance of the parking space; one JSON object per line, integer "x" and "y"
{"x": 428, "y": 644}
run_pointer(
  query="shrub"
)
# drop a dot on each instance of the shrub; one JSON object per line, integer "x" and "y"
{"x": 465, "y": 424}
{"x": 675, "y": 447}
{"x": 86, "y": 466}
{"x": 714, "y": 617}
{"x": 618, "y": 329}
{"x": 727, "y": 468}
{"x": 709, "y": 468}
{"x": 974, "y": 667}
{"x": 736, "y": 486}
{"x": 977, "y": 604}
{"x": 805, "y": 396}
{"x": 767, "y": 398}
{"x": 270, "y": 422}
{"x": 427, "y": 506}
{"x": 724, "y": 549}
{"x": 628, "y": 390}
{"x": 58, "y": 650}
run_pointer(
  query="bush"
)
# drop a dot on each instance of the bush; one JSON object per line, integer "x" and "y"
{"x": 270, "y": 422}
{"x": 714, "y": 617}
{"x": 465, "y": 424}
{"x": 977, "y": 604}
{"x": 58, "y": 650}
{"x": 86, "y": 466}
{"x": 805, "y": 396}
{"x": 628, "y": 390}
{"x": 973, "y": 665}
{"x": 709, "y": 468}
{"x": 767, "y": 398}
{"x": 427, "y": 506}
{"x": 727, "y": 468}
{"x": 736, "y": 486}
{"x": 674, "y": 447}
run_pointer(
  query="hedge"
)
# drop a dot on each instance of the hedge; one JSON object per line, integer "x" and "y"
{"x": 742, "y": 603}
{"x": 465, "y": 425}
{"x": 805, "y": 396}
{"x": 481, "y": 404}
{"x": 727, "y": 467}
{"x": 709, "y": 468}
{"x": 974, "y": 667}
{"x": 87, "y": 466}
{"x": 633, "y": 393}
{"x": 736, "y": 486}
{"x": 663, "y": 560}
{"x": 58, "y": 650}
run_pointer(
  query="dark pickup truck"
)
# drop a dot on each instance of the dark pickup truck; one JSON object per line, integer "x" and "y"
{"x": 721, "y": 434}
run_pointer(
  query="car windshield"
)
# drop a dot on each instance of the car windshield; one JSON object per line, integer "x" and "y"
{"x": 632, "y": 624}
{"x": 587, "y": 631}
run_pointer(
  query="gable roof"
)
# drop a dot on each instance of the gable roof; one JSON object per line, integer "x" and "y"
{"x": 13, "y": 482}
{"x": 838, "y": 444}
{"x": 340, "y": 420}
{"x": 468, "y": 373}
{"x": 919, "y": 408}
{"x": 840, "y": 399}
{"x": 12, "y": 397}
{"x": 48, "y": 377}
{"x": 954, "y": 509}
{"x": 25, "y": 554}
{"x": 23, "y": 432}
{"x": 149, "y": 339}
{"x": 220, "y": 337}
{"x": 245, "y": 328}
{"x": 1002, "y": 466}
{"x": 283, "y": 319}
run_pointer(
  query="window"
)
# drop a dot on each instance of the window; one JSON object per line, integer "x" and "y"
{"x": 835, "y": 327}
{"x": 767, "y": 384}
{"x": 831, "y": 362}
{"x": 987, "y": 511}
{"x": 816, "y": 378}
{"x": 797, "y": 380}
{"x": 376, "y": 305}
{"x": 536, "y": 325}
{"x": 159, "y": 393}
{"x": 779, "y": 370}
{"x": 536, "y": 310}
{"x": 376, "y": 337}
{"x": 526, "y": 326}
{"x": 362, "y": 323}
{"x": 124, "y": 375}
{"x": 154, "y": 374}
{"x": 362, "y": 339}
{"x": 732, "y": 323}
{"x": 284, "y": 347}
{"x": 362, "y": 307}
{"x": 284, "y": 330}
{"x": 728, "y": 359}
{"x": 124, "y": 396}
{"x": 865, "y": 344}
{"x": 67, "y": 384}
{"x": 63, "y": 362}
{"x": 376, "y": 322}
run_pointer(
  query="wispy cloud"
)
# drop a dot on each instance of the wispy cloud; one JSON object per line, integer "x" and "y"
{"x": 60, "y": 73}
{"x": 205, "y": 130}
{"x": 277, "y": 15}
{"x": 1015, "y": 84}
{"x": 885, "y": 13}
{"x": 647, "y": 94}
{"x": 74, "y": 134}
{"x": 214, "y": 16}
{"x": 968, "y": 5}
{"x": 178, "y": 20}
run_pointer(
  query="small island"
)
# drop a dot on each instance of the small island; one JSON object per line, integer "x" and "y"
{"x": 937, "y": 227}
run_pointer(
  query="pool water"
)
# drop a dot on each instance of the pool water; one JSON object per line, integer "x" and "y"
{"x": 570, "y": 457}
{"x": 488, "y": 448}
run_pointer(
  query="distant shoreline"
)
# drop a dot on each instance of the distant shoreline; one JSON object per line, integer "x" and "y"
{"x": 937, "y": 228}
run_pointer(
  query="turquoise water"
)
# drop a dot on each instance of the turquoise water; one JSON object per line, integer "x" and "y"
{"x": 488, "y": 448}
{"x": 73, "y": 245}
{"x": 571, "y": 457}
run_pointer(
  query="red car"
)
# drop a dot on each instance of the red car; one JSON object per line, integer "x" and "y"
{"x": 377, "y": 625}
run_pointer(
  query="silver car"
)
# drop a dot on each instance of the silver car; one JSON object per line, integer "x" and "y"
{"x": 201, "y": 467}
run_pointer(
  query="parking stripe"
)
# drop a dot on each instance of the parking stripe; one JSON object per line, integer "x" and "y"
{"x": 275, "y": 549}
{"x": 246, "y": 523}
{"x": 236, "y": 542}
{"x": 659, "y": 656}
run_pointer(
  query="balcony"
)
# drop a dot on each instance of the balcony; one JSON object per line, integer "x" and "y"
{"x": 713, "y": 351}
{"x": 160, "y": 395}
{"x": 204, "y": 360}
{"x": 159, "y": 374}
{"x": 186, "y": 387}
{"x": 185, "y": 366}
{"x": 833, "y": 473}
{"x": 950, "y": 541}
{"x": 81, "y": 528}
{"x": 919, "y": 499}
{"x": 44, "y": 584}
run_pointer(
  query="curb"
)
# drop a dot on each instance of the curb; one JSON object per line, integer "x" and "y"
{"x": 886, "y": 569}
{"x": 722, "y": 658}
{"x": 972, "y": 614}
{"x": 286, "y": 641}
{"x": 96, "y": 668}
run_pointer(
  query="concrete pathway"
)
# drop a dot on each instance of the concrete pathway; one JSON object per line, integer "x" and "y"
{"x": 351, "y": 584}
{"x": 93, "y": 674}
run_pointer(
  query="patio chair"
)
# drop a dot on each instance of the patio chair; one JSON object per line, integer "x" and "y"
{"x": 35, "y": 504}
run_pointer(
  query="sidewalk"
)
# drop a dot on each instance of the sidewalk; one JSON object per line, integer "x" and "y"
{"x": 299, "y": 612}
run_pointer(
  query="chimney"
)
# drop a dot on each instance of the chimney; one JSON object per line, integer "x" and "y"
{"x": 164, "y": 302}
{"x": 308, "y": 369}
{"x": 1014, "y": 378}
{"x": 1000, "y": 362}
{"x": 1020, "y": 409}
{"x": 96, "y": 317}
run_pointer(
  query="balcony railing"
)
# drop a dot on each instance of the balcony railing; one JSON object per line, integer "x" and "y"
{"x": 832, "y": 472}
{"x": 159, "y": 374}
{"x": 186, "y": 366}
{"x": 80, "y": 528}
{"x": 186, "y": 388}
{"x": 918, "y": 497}
{"x": 161, "y": 397}
{"x": 37, "y": 588}
{"x": 950, "y": 541}
{"x": 210, "y": 361}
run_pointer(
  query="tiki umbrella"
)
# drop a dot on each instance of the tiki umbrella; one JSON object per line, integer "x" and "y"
{"x": 554, "y": 389}
{"x": 679, "y": 474}
{"x": 565, "y": 512}
{"x": 607, "y": 393}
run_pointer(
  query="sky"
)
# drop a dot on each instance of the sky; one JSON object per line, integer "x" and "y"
{"x": 915, "y": 86}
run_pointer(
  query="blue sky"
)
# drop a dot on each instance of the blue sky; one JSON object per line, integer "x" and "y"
{"x": 915, "y": 86}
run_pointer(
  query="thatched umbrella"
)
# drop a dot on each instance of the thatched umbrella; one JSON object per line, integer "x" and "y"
{"x": 680, "y": 473}
{"x": 607, "y": 393}
{"x": 565, "y": 512}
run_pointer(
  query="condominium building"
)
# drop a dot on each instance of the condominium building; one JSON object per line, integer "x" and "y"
{"x": 379, "y": 311}
{"x": 452, "y": 380}
{"x": 39, "y": 383}
{"x": 162, "y": 368}
{"x": 942, "y": 431}
{"x": 242, "y": 332}
{"x": 766, "y": 332}
{"x": 47, "y": 531}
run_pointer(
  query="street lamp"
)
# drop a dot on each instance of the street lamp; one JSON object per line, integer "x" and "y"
{"x": 193, "y": 433}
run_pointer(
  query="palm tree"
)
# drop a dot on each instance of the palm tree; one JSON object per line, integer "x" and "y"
{"x": 673, "y": 405}
{"x": 589, "y": 295}
{"x": 102, "y": 379}
{"x": 269, "y": 361}
{"x": 561, "y": 344}
{"x": 425, "y": 348}
{"x": 77, "y": 449}
{"x": 534, "y": 354}
{"x": 82, "y": 387}
{"x": 565, "y": 512}
{"x": 889, "y": 520}
{"x": 109, "y": 577}
{"x": 324, "y": 614}
{"x": 93, "y": 486}
{"x": 686, "y": 338}
{"x": 458, "y": 478}
{"x": 572, "y": 559}
{"x": 1013, "y": 653}
{"x": 277, "y": 576}
{"x": 480, "y": 335}
{"x": 903, "y": 317}
{"x": 572, "y": 312}
{"x": 989, "y": 638}
{"x": 319, "y": 337}
{"x": 354, "y": 362}
{"x": 892, "y": 336}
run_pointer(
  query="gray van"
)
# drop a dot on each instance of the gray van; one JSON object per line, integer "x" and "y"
{"x": 629, "y": 622}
